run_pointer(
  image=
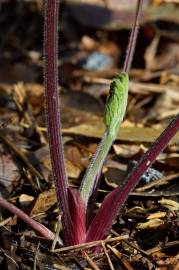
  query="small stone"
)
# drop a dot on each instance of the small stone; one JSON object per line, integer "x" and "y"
{"x": 150, "y": 175}
{"x": 97, "y": 61}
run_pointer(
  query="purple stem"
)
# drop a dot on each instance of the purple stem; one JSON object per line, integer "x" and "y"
{"x": 114, "y": 201}
{"x": 53, "y": 113}
{"x": 133, "y": 38}
{"x": 41, "y": 229}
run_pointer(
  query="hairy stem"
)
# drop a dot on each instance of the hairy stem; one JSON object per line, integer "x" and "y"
{"x": 133, "y": 38}
{"x": 41, "y": 229}
{"x": 87, "y": 187}
{"x": 118, "y": 196}
{"x": 52, "y": 110}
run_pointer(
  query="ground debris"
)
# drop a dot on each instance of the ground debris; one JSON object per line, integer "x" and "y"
{"x": 145, "y": 235}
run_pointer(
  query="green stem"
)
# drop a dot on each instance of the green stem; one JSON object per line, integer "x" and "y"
{"x": 113, "y": 116}
{"x": 91, "y": 176}
{"x": 114, "y": 113}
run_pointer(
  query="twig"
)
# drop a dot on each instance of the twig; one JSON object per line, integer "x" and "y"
{"x": 92, "y": 244}
{"x": 36, "y": 256}
{"x": 108, "y": 257}
{"x": 90, "y": 261}
{"x": 121, "y": 258}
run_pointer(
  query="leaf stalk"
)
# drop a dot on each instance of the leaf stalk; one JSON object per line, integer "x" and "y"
{"x": 41, "y": 229}
{"x": 115, "y": 200}
{"x": 52, "y": 111}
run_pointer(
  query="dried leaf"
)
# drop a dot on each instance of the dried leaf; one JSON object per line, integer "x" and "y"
{"x": 72, "y": 170}
{"x": 9, "y": 172}
{"x": 139, "y": 134}
{"x": 114, "y": 177}
{"x": 126, "y": 151}
{"x": 44, "y": 201}
{"x": 157, "y": 215}
{"x": 170, "y": 204}
{"x": 118, "y": 14}
{"x": 151, "y": 224}
{"x": 25, "y": 199}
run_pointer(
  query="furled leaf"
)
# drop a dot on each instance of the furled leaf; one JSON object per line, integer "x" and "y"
{"x": 116, "y": 102}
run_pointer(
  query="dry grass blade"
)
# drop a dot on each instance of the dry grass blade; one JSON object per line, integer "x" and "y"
{"x": 90, "y": 261}
{"x": 9, "y": 258}
{"x": 121, "y": 258}
{"x": 91, "y": 244}
{"x": 158, "y": 182}
{"x": 144, "y": 253}
{"x": 135, "y": 87}
{"x": 36, "y": 257}
{"x": 5, "y": 221}
{"x": 108, "y": 257}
